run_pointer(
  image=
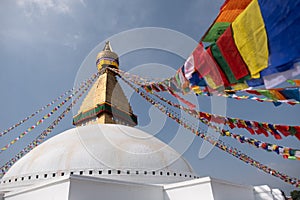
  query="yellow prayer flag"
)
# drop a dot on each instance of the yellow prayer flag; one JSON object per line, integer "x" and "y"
{"x": 196, "y": 89}
{"x": 250, "y": 37}
{"x": 240, "y": 86}
{"x": 210, "y": 82}
{"x": 227, "y": 133}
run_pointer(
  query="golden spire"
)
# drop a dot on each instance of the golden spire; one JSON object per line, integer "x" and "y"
{"x": 106, "y": 102}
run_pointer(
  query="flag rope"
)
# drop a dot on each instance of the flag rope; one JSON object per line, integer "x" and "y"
{"x": 39, "y": 139}
{"x": 218, "y": 143}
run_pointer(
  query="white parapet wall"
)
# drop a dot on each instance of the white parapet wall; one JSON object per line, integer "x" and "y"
{"x": 191, "y": 190}
{"x": 85, "y": 187}
{"x": 77, "y": 187}
{"x": 277, "y": 194}
{"x": 96, "y": 188}
{"x": 53, "y": 189}
{"x": 209, "y": 189}
{"x": 264, "y": 192}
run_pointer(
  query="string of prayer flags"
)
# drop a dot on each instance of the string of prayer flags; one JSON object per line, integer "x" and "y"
{"x": 218, "y": 143}
{"x": 39, "y": 139}
{"x": 264, "y": 35}
{"x": 252, "y": 127}
{"x": 248, "y": 46}
{"x": 54, "y": 110}
{"x": 285, "y": 152}
{"x": 189, "y": 104}
{"x": 233, "y": 95}
{"x": 34, "y": 114}
{"x": 40, "y": 110}
{"x": 277, "y": 93}
{"x": 196, "y": 83}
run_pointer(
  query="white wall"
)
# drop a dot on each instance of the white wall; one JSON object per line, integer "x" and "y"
{"x": 83, "y": 188}
{"x": 50, "y": 191}
{"x": 263, "y": 192}
{"x": 277, "y": 194}
{"x": 189, "y": 190}
{"x": 209, "y": 189}
{"x": 225, "y": 190}
{"x": 86, "y": 188}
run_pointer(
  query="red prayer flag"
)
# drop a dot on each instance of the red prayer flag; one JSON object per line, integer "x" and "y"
{"x": 297, "y": 130}
{"x": 283, "y": 129}
{"x": 297, "y": 135}
{"x": 216, "y": 72}
{"x": 253, "y": 92}
{"x": 250, "y": 130}
{"x": 201, "y": 63}
{"x": 292, "y": 103}
{"x": 231, "y": 54}
{"x": 205, "y": 116}
{"x": 272, "y": 130}
{"x": 217, "y": 119}
{"x": 241, "y": 124}
{"x": 230, "y": 124}
{"x": 260, "y": 129}
{"x": 285, "y": 156}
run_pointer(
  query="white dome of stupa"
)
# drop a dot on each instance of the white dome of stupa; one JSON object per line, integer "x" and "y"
{"x": 104, "y": 150}
{"x": 100, "y": 145}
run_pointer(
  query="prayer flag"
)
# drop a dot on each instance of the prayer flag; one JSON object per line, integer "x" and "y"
{"x": 251, "y": 38}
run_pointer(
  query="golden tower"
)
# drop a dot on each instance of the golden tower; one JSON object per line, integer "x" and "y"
{"x": 106, "y": 102}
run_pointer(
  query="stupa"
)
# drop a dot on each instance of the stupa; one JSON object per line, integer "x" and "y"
{"x": 105, "y": 157}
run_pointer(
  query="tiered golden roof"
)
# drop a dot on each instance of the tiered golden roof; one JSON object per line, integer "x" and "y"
{"x": 106, "y": 101}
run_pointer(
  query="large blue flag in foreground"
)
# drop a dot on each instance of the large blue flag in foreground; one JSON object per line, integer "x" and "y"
{"x": 266, "y": 35}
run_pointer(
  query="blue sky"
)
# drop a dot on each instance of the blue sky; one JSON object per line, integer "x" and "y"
{"x": 44, "y": 42}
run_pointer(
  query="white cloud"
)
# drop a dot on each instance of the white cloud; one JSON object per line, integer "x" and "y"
{"x": 71, "y": 41}
{"x": 44, "y": 6}
{"x": 83, "y": 3}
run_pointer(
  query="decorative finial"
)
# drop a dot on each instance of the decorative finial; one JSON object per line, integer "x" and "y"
{"x": 107, "y": 46}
